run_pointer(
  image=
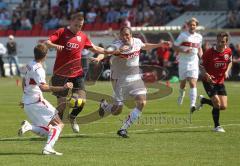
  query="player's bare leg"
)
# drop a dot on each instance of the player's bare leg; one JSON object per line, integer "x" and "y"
{"x": 133, "y": 116}
{"x": 61, "y": 102}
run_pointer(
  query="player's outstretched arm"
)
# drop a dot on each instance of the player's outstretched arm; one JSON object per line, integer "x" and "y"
{"x": 52, "y": 45}
{"x": 98, "y": 58}
{"x": 48, "y": 88}
{"x": 149, "y": 46}
{"x": 100, "y": 50}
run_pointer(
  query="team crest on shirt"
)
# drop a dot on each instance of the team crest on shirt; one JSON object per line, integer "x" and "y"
{"x": 79, "y": 38}
{"x": 226, "y": 56}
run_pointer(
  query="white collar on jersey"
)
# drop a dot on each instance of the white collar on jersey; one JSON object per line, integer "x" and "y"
{"x": 215, "y": 48}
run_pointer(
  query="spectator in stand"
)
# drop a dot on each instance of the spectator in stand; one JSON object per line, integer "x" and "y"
{"x": 112, "y": 15}
{"x": 125, "y": 22}
{"x": 43, "y": 9}
{"x": 25, "y": 23}
{"x": 103, "y": 3}
{"x": 15, "y": 24}
{"x": 232, "y": 17}
{"x": 91, "y": 15}
{"x": 53, "y": 23}
{"x": 64, "y": 21}
{"x": 4, "y": 18}
{"x": 148, "y": 15}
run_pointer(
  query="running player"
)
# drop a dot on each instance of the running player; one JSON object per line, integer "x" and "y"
{"x": 126, "y": 78}
{"x": 215, "y": 67}
{"x": 70, "y": 42}
{"x": 189, "y": 46}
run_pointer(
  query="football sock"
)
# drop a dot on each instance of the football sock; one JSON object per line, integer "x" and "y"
{"x": 53, "y": 136}
{"x": 182, "y": 92}
{"x": 40, "y": 130}
{"x": 207, "y": 101}
{"x": 193, "y": 96}
{"x": 108, "y": 108}
{"x": 132, "y": 117}
{"x": 76, "y": 111}
{"x": 216, "y": 115}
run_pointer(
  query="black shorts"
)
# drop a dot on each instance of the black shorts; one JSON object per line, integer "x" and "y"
{"x": 214, "y": 89}
{"x": 78, "y": 84}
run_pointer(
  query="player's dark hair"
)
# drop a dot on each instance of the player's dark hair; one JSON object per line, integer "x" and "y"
{"x": 78, "y": 15}
{"x": 126, "y": 28}
{"x": 222, "y": 35}
{"x": 40, "y": 51}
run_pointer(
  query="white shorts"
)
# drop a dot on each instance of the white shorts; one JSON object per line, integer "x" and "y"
{"x": 40, "y": 113}
{"x": 124, "y": 90}
{"x": 185, "y": 73}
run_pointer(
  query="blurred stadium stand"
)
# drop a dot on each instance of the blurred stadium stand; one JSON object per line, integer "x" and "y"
{"x": 208, "y": 19}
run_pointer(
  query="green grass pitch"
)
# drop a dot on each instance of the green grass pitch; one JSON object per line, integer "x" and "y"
{"x": 163, "y": 135}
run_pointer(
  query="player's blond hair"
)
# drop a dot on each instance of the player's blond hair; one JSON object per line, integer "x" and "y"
{"x": 193, "y": 19}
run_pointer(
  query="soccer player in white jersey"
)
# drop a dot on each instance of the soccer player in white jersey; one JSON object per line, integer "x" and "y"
{"x": 189, "y": 46}
{"x": 44, "y": 117}
{"x": 126, "y": 77}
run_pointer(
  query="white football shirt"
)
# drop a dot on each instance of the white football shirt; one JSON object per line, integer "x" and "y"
{"x": 187, "y": 41}
{"x": 34, "y": 77}
{"x": 126, "y": 65}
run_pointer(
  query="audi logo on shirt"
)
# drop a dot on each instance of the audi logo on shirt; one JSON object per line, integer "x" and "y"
{"x": 71, "y": 45}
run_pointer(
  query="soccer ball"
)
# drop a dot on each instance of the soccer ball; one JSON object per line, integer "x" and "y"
{"x": 75, "y": 101}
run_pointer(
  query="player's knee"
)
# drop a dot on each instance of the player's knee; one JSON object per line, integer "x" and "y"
{"x": 223, "y": 107}
{"x": 117, "y": 110}
{"x": 61, "y": 125}
{"x": 216, "y": 105}
{"x": 141, "y": 104}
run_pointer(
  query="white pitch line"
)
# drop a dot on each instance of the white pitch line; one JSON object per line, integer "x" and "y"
{"x": 113, "y": 132}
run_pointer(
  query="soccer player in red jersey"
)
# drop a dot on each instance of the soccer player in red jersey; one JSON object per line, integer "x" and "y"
{"x": 215, "y": 66}
{"x": 69, "y": 43}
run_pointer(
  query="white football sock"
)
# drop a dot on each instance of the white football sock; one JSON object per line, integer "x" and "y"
{"x": 53, "y": 136}
{"x": 181, "y": 92}
{"x": 132, "y": 117}
{"x": 193, "y": 96}
{"x": 40, "y": 130}
{"x": 107, "y": 107}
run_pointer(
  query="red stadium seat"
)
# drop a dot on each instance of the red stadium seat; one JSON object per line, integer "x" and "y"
{"x": 10, "y": 32}
{"x": 23, "y": 33}
{"x": 115, "y": 26}
{"x": 97, "y": 26}
{"x": 87, "y": 27}
{"x": 44, "y": 33}
{"x": 51, "y": 32}
{"x": 37, "y": 26}
{"x": 35, "y": 32}
{"x": 3, "y": 33}
{"x": 105, "y": 26}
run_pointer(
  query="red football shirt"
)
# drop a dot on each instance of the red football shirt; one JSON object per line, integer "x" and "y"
{"x": 68, "y": 61}
{"x": 216, "y": 63}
